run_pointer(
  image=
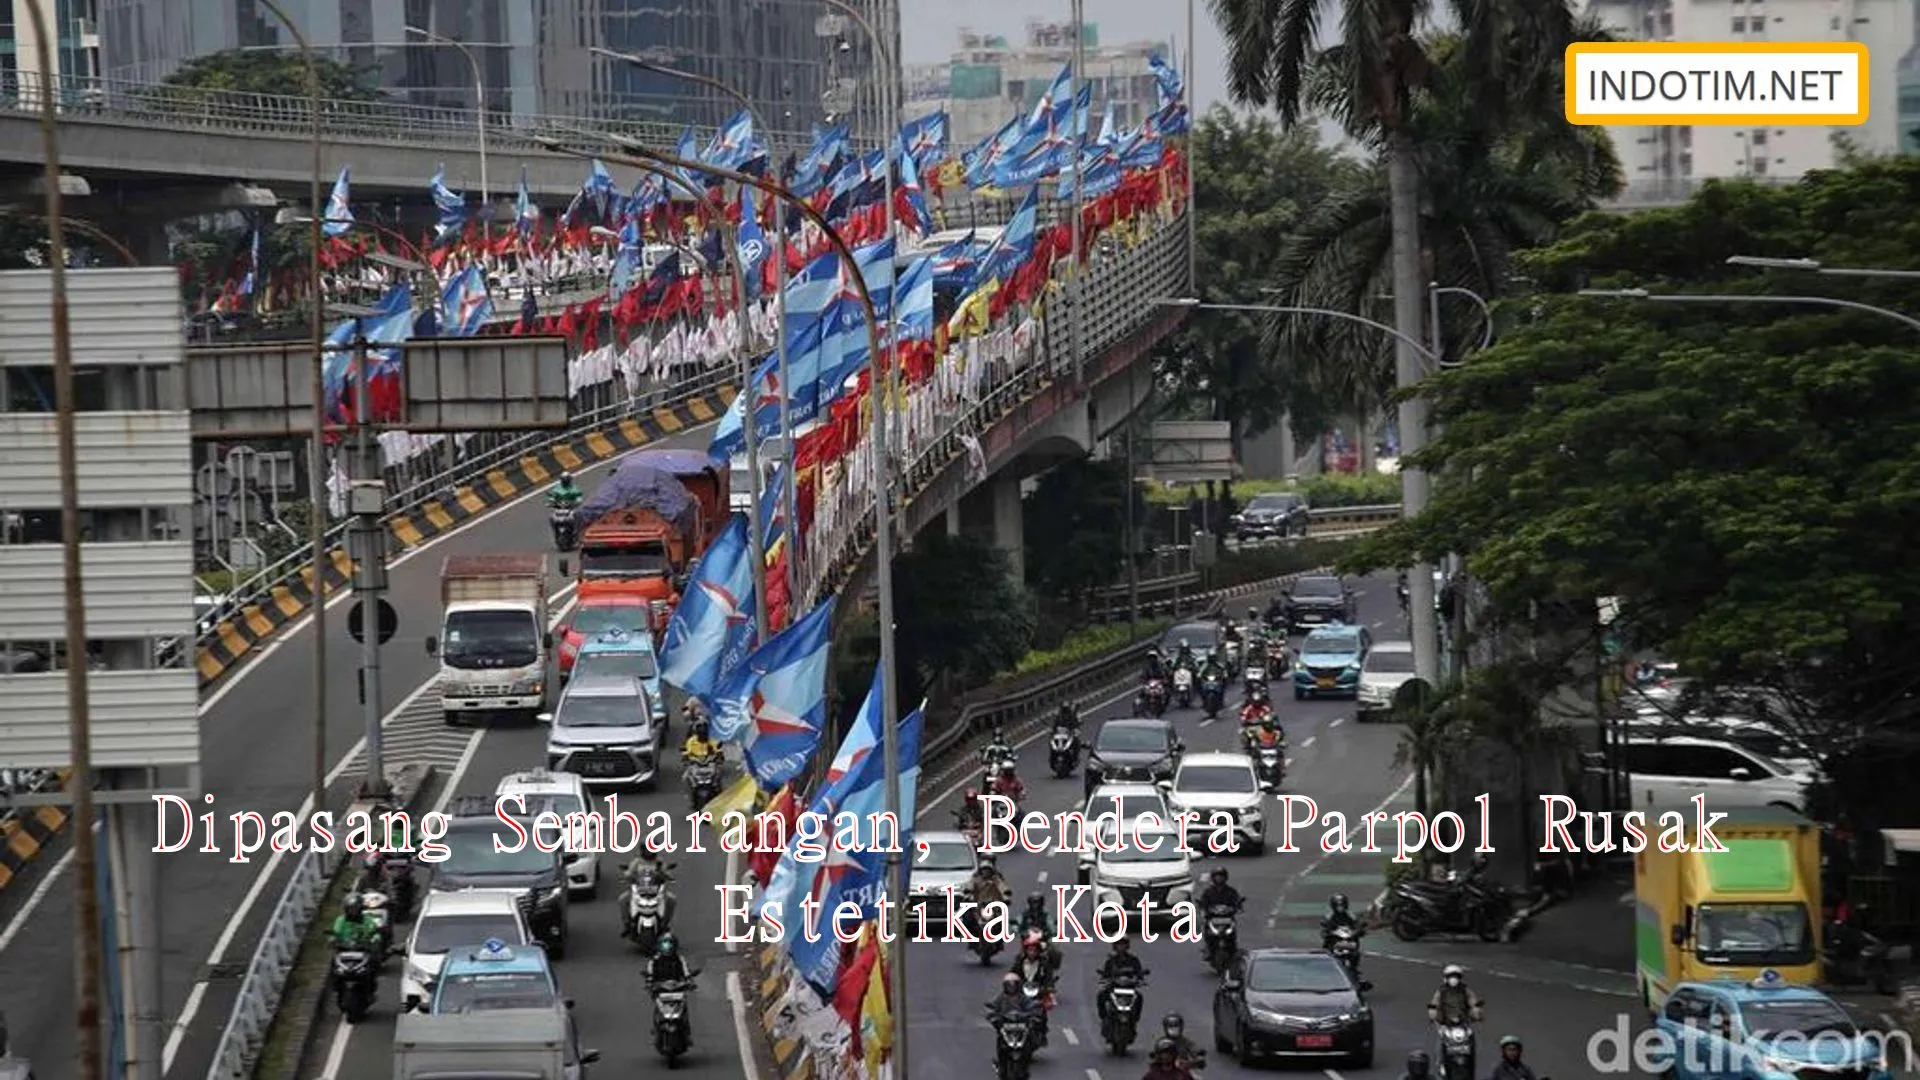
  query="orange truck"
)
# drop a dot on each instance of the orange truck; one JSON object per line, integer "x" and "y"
{"x": 644, "y": 526}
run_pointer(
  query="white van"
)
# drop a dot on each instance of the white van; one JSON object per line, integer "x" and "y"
{"x": 1665, "y": 774}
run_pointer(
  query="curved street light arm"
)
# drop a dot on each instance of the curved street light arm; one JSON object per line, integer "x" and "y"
{"x": 479, "y": 106}
{"x": 1718, "y": 298}
{"x": 1331, "y": 313}
{"x": 1486, "y": 309}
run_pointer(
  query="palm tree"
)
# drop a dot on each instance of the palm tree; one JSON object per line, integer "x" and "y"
{"x": 1485, "y": 192}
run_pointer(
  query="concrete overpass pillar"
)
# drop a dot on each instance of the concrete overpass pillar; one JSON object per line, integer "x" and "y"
{"x": 1009, "y": 531}
{"x": 951, "y": 519}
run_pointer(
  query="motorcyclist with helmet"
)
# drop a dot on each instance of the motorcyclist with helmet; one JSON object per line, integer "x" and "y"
{"x": 564, "y": 495}
{"x": 1419, "y": 1066}
{"x": 1267, "y": 733}
{"x": 997, "y": 748}
{"x": 1510, "y": 1066}
{"x": 1183, "y": 657}
{"x": 667, "y": 964}
{"x": 699, "y": 745}
{"x": 1218, "y": 892}
{"x": 987, "y": 885}
{"x": 1455, "y": 1004}
{"x": 1035, "y": 919}
{"x": 1007, "y": 782}
{"x": 1164, "y": 1064}
{"x": 1339, "y": 916}
{"x": 353, "y": 928}
{"x": 1120, "y": 963}
{"x": 1154, "y": 667}
{"x": 1012, "y": 1005}
{"x": 1067, "y": 717}
{"x": 970, "y": 815}
{"x": 1187, "y": 1054}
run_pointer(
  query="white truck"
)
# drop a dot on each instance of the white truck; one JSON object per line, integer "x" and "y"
{"x": 494, "y": 640}
{"x": 502, "y": 1044}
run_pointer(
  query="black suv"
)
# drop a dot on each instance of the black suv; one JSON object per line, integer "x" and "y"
{"x": 540, "y": 877}
{"x": 1316, "y": 600}
{"x": 1276, "y": 515}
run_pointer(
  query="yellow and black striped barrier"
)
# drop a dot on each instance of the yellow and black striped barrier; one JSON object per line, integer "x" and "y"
{"x": 25, "y": 834}
{"x": 288, "y": 602}
{"x": 791, "y": 1058}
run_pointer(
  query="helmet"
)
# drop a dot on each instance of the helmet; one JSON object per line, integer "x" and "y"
{"x": 1010, "y": 983}
{"x": 1337, "y": 902}
{"x": 1268, "y": 722}
{"x": 1122, "y": 944}
{"x": 1509, "y": 1041}
{"x": 1219, "y": 875}
{"x": 698, "y": 729}
{"x": 1173, "y": 1024}
{"x": 1036, "y": 899}
{"x": 1253, "y": 614}
{"x": 972, "y": 796}
{"x": 1453, "y": 972}
{"x": 566, "y": 478}
{"x": 693, "y": 710}
{"x": 1479, "y": 862}
{"x": 1418, "y": 1063}
{"x": 1006, "y": 768}
{"x": 353, "y": 907}
{"x": 987, "y": 861}
{"x": 1165, "y": 1050}
{"x": 668, "y": 945}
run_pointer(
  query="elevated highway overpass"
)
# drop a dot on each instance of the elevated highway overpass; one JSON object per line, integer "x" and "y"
{"x": 1050, "y": 402}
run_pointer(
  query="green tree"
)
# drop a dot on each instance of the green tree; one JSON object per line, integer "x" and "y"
{"x": 1744, "y": 478}
{"x": 1075, "y": 525}
{"x": 1252, "y": 182}
{"x": 960, "y": 616}
{"x": 1486, "y": 191}
{"x": 282, "y": 73}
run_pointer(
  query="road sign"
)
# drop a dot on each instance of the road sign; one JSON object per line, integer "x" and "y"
{"x": 388, "y": 619}
{"x": 1190, "y": 451}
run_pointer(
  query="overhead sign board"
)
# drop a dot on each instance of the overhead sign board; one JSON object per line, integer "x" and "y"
{"x": 1190, "y": 451}
{"x": 450, "y": 385}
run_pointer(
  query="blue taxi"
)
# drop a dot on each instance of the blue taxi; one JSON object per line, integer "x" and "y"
{"x": 1767, "y": 1029}
{"x": 617, "y": 652}
{"x": 1330, "y": 660}
{"x": 494, "y": 975}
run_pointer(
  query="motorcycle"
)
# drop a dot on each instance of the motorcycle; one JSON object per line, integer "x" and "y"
{"x": 1230, "y": 652}
{"x": 649, "y": 910}
{"x": 1009, "y": 786}
{"x": 1343, "y": 942}
{"x": 1213, "y": 697}
{"x": 373, "y": 904}
{"x": 672, "y": 1035}
{"x": 394, "y": 874}
{"x": 1254, "y": 675}
{"x": 1013, "y": 1048}
{"x": 354, "y": 983}
{"x": 1456, "y": 1057}
{"x": 1183, "y": 687}
{"x": 1854, "y": 957}
{"x": 561, "y": 521}
{"x": 969, "y": 826}
{"x": 1063, "y": 752}
{"x": 987, "y": 946}
{"x": 1269, "y": 767}
{"x": 1036, "y": 985}
{"x": 1152, "y": 698}
{"x": 1120, "y": 1007}
{"x": 1417, "y": 908}
{"x": 701, "y": 778}
{"x": 1277, "y": 660}
{"x": 1220, "y": 938}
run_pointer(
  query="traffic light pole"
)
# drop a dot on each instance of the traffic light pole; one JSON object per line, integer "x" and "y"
{"x": 366, "y": 499}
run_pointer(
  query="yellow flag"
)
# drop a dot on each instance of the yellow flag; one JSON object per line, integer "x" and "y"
{"x": 739, "y": 798}
{"x": 876, "y": 1017}
{"x": 972, "y": 318}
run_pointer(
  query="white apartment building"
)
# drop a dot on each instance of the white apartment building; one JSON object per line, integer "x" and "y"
{"x": 987, "y": 79}
{"x": 1671, "y": 157}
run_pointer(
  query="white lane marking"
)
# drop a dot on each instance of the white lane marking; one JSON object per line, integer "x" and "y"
{"x": 1067, "y": 1034}
{"x": 1093, "y": 1074}
{"x": 1306, "y": 742}
{"x": 1336, "y": 721}
{"x": 733, "y": 878}
{"x": 738, "y": 999}
{"x": 19, "y": 920}
{"x": 337, "y": 1050}
{"x": 1892, "y": 1024}
{"x": 1332, "y": 1074}
{"x": 968, "y": 776}
{"x": 1206, "y": 720}
{"x": 1041, "y": 878}
{"x": 1286, "y": 887}
{"x": 191, "y": 1007}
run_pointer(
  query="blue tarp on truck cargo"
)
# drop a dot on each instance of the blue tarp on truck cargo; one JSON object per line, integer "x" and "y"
{"x": 637, "y": 484}
{"x": 679, "y": 462}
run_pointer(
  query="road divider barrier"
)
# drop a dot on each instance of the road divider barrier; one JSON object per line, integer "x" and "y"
{"x": 26, "y": 831}
{"x": 254, "y": 619}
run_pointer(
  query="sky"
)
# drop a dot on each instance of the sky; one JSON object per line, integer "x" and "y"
{"x": 931, "y": 29}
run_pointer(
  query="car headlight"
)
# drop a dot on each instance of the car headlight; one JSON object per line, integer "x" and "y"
{"x": 418, "y": 974}
{"x": 1269, "y": 1017}
{"x": 551, "y": 896}
{"x": 1250, "y": 814}
{"x": 528, "y": 686}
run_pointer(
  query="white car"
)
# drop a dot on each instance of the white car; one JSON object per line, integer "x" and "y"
{"x": 603, "y": 730}
{"x": 1207, "y": 784}
{"x": 1148, "y": 863}
{"x": 944, "y": 860}
{"x": 449, "y": 920}
{"x": 1388, "y": 666}
{"x": 1665, "y": 774}
{"x": 1127, "y": 802}
{"x": 559, "y": 793}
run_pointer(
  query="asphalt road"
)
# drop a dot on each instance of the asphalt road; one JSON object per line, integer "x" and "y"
{"x": 257, "y": 754}
{"x": 1344, "y": 766}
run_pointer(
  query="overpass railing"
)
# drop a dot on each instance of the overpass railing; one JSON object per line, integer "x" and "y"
{"x": 427, "y": 477}
{"x": 377, "y": 121}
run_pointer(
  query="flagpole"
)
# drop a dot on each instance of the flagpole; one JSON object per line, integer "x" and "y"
{"x": 788, "y": 498}
{"x": 1073, "y": 148}
{"x": 1193, "y": 216}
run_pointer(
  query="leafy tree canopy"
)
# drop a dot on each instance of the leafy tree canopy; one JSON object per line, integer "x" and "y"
{"x": 282, "y": 73}
{"x": 958, "y": 611}
{"x": 1744, "y": 477}
{"x": 1253, "y": 183}
{"x": 1076, "y": 527}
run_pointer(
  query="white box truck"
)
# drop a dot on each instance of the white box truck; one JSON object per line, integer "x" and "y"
{"x": 494, "y": 640}
{"x": 501, "y": 1044}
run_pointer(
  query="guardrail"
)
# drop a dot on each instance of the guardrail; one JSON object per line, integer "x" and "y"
{"x": 259, "y": 998}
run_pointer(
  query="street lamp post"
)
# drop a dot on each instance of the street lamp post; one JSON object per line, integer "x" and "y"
{"x": 479, "y": 105}
{"x": 884, "y": 375}
{"x": 1818, "y": 267}
{"x": 789, "y": 496}
{"x": 1730, "y": 298}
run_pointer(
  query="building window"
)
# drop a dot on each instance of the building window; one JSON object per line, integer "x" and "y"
{"x": 1760, "y": 166}
{"x": 1760, "y": 137}
{"x": 1686, "y": 164}
{"x": 1739, "y": 24}
{"x": 1686, "y": 138}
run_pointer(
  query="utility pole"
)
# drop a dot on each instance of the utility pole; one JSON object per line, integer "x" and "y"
{"x": 1133, "y": 546}
{"x": 366, "y": 497}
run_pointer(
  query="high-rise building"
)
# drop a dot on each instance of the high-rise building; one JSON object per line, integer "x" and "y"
{"x": 796, "y": 60}
{"x": 987, "y": 79}
{"x": 76, "y": 41}
{"x": 1665, "y": 153}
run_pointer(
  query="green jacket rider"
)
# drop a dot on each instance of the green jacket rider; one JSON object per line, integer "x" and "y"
{"x": 353, "y": 928}
{"x": 563, "y": 495}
